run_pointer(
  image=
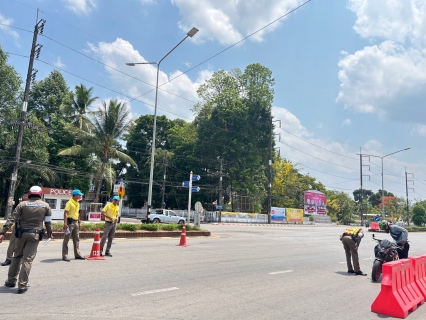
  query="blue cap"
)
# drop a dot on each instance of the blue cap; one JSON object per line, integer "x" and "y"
{"x": 116, "y": 198}
{"x": 77, "y": 193}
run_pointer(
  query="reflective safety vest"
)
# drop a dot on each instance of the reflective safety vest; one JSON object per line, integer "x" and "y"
{"x": 352, "y": 231}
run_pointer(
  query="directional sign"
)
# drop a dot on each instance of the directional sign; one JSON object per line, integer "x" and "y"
{"x": 377, "y": 219}
{"x": 218, "y": 207}
{"x": 196, "y": 177}
{"x": 195, "y": 189}
{"x": 185, "y": 184}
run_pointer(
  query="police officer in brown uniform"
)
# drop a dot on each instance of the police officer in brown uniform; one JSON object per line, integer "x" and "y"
{"x": 28, "y": 217}
{"x": 11, "y": 246}
{"x": 351, "y": 240}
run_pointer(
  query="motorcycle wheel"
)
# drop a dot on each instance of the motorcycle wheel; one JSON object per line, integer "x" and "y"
{"x": 377, "y": 270}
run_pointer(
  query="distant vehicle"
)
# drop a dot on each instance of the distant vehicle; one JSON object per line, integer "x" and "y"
{"x": 164, "y": 216}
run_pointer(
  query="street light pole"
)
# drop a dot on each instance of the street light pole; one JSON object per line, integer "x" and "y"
{"x": 383, "y": 191}
{"x": 190, "y": 33}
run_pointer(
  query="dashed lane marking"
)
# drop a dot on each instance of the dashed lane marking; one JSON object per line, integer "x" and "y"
{"x": 153, "y": 291}
{"x": 279, "y": 272}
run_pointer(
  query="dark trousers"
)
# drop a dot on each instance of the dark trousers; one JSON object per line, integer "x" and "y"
{"x": 403, "y": 254}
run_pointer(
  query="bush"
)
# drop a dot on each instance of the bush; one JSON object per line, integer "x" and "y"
{"x": 149, "y": 227}
{"x": 333, "y": 219}
{"x": 169, "y": 227}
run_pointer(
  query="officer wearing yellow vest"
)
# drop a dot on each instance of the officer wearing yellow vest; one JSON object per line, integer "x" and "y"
{"x": 110, "y": 212}
{"x": 73, "y": 224}
{"x": 351, "y": 240}
{"x": 28, "y": 217}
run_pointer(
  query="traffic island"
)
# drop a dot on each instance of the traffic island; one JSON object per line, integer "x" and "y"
{"x": 134, "y": 234}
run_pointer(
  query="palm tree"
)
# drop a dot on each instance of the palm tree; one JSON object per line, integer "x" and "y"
{"x": 110, "y": 122}
{"x": 79, "y": 107}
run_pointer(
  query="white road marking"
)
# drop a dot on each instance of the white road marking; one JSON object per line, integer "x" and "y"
{"x": 279, "y": 272}
{"x": 342, "y": 262}
{"x": 153, "y": 291}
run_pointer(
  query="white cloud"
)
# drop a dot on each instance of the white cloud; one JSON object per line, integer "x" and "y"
{"x": 372, "y": 145}
{"x": 229, "y": 21}
{"x": 58, "y": 63}
{"x": 420, "y": 130}
{"x": 395, "y": 20}
{"x": 387, "y": 80}
{"x": 81, "y": 7}
{"x": 346, "y": 122}
{"x": 6, "y": 29}
{"x": 181, "y": 93}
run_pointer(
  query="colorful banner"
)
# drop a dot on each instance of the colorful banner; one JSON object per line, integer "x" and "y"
{"x": 315, "y": 202}
{"x": 294, "y": 215}
{"x": 277, "y": 214}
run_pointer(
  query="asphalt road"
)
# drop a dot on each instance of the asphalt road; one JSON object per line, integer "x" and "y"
{"x": 240, "y": 272}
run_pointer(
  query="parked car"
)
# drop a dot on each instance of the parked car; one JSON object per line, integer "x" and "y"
{"x": 165, "y": 216}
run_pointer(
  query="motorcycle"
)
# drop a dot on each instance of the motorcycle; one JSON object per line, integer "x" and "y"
{"x": 385, "y": 251}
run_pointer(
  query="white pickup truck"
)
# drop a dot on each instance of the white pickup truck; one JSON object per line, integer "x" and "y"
{"x": 165, "y": 216}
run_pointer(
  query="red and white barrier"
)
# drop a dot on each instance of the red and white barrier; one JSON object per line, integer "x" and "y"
{"x": 399, "y": 293}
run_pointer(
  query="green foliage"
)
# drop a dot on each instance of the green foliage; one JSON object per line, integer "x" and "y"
{"x": 127, "y": 226}
{"x": 170, "y": 227}
{"x": 233, "y": 122}
{"x": 150, "y": 226}
{"x": 419, "y": 215}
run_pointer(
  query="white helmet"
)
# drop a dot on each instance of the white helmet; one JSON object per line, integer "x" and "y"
{"x": 35, "y": 191}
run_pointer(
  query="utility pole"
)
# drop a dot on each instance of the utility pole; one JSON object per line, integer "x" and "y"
{"x": 361, "y": 203}
{"x": 406, "y": 192}
{"x": 163, "y": 190}
{"x": 270, "y": 173}
{"x": 219, "y": 201}
{"x": 35, "y": 53}
{"x": 270, "y": 169}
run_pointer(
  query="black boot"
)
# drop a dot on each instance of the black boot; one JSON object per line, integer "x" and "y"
{"x": 6, "y": 263}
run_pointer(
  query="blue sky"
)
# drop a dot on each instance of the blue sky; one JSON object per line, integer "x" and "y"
{"x": 349, "y": 74}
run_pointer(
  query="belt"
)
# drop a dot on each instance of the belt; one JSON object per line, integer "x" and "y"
{"x": 31, "y": 231}
{"x": 109, "y": 221}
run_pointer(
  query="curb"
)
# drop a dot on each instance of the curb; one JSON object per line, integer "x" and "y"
{"x": 132, "y": 234}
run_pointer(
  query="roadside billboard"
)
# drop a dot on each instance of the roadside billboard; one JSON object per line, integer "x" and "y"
{"x": 315, "y": 202}
{"x": 294, "y": 215}
{"x": 277, "y": 214}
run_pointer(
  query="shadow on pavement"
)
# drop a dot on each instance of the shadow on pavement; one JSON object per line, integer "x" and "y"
{"x": 50, "y": 260}
{"x": 8, "y": 290}
{"x": 345, "y": 273}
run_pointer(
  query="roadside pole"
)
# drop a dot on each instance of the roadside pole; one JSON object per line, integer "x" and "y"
{"x": 189, "y": 197}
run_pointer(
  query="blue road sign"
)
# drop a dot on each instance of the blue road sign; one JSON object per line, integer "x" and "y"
{"x": 196, "y": 177}
{"x": 185, "y": 184}
{"x": 218, "y": 207}
{"x": 377, "y": 218}
{"x": 195, "y": 189}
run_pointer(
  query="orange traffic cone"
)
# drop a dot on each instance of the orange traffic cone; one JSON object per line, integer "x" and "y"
{"x": 96, "y": 248}
{"x": 183, "y": 237}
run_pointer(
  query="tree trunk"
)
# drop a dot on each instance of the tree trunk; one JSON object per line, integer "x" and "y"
{"x": 100, "y": 178}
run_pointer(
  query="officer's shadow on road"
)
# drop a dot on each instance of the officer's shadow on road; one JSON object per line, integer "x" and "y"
{"x": 345, "y": 273}
{"x": 7, "y": 290}
{"x": 50, "y": 260}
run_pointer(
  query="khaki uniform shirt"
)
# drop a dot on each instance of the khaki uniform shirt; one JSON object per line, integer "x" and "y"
{"x": 31, "y": 214}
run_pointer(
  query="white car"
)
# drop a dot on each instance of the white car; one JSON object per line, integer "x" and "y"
{"x": 165, "y": 216}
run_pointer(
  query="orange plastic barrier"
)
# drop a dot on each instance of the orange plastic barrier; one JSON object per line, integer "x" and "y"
{"x": 374, "y": 226}
{"x": 419, "y": 264}
{"x": 399, "y": 293}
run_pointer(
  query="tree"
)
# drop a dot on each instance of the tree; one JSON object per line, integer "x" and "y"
{"x": 109, "y": 124}
{"x": 340, "y": 205}
{"x": 375, "y": 199}
{"x": 366, "y": 194}
{"x": 419, "y": 215}
{"x": 78, "y": 107}
{"x": 10, "y": 85}
{"x": 233, "y": 122}
{"x": 47, "y": 96}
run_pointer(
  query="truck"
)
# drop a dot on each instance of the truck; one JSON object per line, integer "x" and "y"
{"x": 162, "y": 216}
